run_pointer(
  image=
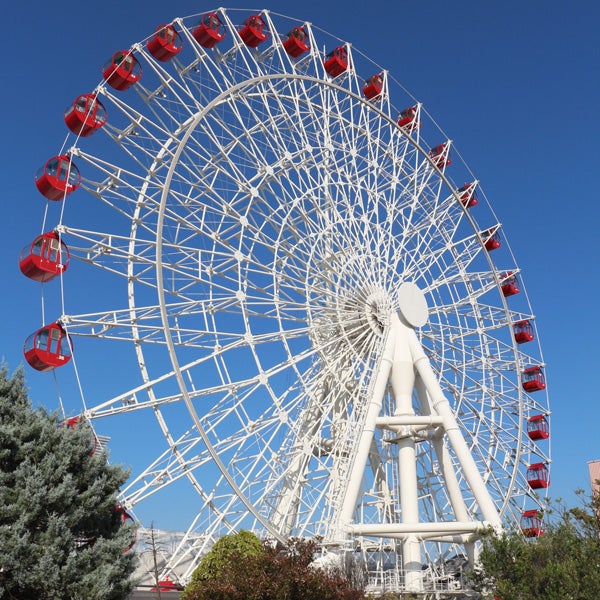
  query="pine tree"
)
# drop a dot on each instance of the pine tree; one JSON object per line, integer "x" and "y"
{"x": 61, "y": 530}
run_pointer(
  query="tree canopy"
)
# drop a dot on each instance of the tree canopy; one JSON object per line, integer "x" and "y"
{"x": 240, "y": 567}
{"x": 561, "y": 564}
{"x": 61, "y": 531}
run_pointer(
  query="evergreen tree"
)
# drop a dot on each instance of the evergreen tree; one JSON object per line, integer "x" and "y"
{"x": 61, "y": 530}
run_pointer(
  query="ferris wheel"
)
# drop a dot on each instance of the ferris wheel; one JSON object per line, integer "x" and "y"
{"x": 317, "y": 326}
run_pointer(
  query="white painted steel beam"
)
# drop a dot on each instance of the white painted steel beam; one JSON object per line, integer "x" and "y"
{"x": 417, "y": 529}
{"x": 400, "y": 420}
{"x": 452, "y": 430}
{"x": 403, "y": 382}
{"x": 364, "y": 443}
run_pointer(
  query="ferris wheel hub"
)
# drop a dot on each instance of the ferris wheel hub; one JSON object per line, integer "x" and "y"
{"x": 413, "y": 305}
{"x": 378, "y": 308}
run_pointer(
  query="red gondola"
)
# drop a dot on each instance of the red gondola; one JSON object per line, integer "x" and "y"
{"x": 122, "y": 70}
{"x": 58, "y": 178}
{"x": 537, "y": 476}
{"x": 537, "y": 427}
{"x": 336, "y": 62}
{"x": 440, "y": 155}
{"x": 467, "y": 196}
{"x": 210, "y": 31}
{"x": 296, "y": 45}
{"x": 523, "y": 331}
{"x": 532, "y": 524}
{"x": 165, "y": 44}
{"x": 252, "y": 33}
{"x": 510, "y": 285}
{"x": 167, "y": 585}
{"x": 86, "y": 115}
{"x": 73, "y": 422}
{"x": 126, "y": 518}
{"x": 491, "y": 239}
{"x": 408, "y": 118}
{"x": 48, "y": 348}
{"x": 533, "y": 379}
{"x": 373, "y": 86}
{"x": 45, "y": 258}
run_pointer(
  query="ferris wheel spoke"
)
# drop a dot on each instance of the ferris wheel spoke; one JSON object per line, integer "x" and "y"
{"x": 119, "y": 188}
{"x": 431, "y": 263}
{"x": 424, "y": 213}
{"x": 235, "y": 443}
{"x": 310, "y": 441}
{"x": 475, "y": 364}
{"x": 419, "y": 184}
{"x": 476, "y": 284}
{"x": 228, "y": 148}
{"x": 170, "y": 466}
{"x": 131, "y": 401}
{"x": 176, "y": 91}
{"x": 120, "y": 324}
{"x": 169, "y": 109}
{"x": 139, "y": 134}
{"x": 304, "y": 443}
{"x": 184, "y": 457}
{"x": 477, "y": 316}
{"x": 438, "y": 222}
{"x": 234, "y": 149}
{"x": 268, "y": 134}
{"x": 145, "y": 132}
{"x": 114, "y": 253}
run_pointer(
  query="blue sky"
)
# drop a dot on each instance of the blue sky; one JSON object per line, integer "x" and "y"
{"x": 515, "y": 84}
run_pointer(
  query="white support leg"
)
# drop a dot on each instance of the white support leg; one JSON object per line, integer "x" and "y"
{"x": 452, "y": 429}
{"x": 443, "y": 457}
{"x": 403, "y": 381}
{"x": 366, "y": 437}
